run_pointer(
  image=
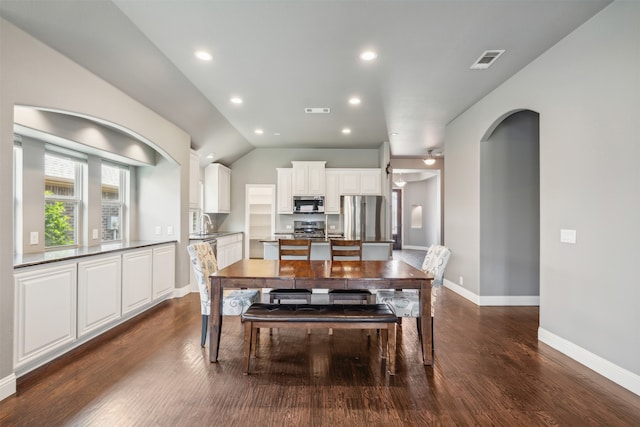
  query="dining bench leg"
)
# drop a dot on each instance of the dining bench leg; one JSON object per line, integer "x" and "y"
{"x": 392, "y": 349}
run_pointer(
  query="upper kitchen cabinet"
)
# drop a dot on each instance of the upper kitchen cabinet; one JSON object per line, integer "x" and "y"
{"x": 360, "y": 182}
{"x": 194, "y": 180}
{"x": 308, "y": 178}
{"x": 217, "y": 189}
{"x": 332, "y": 197}
{"x": 285, "y": 191}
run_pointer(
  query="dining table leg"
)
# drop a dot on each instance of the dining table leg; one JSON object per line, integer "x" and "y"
{"x": 425, "y": 322}
{"x": 215, "y": 319}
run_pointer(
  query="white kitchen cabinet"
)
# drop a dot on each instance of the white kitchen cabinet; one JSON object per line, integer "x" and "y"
{"x": 45, "y": 311}
{"x": 194, "y": 180}
{"x": 259, "y": 217}
{"x": 164, "y": 271}
{"x": 308, "y": 178}
{"x": 332, "y": 195}
{"x": 371, "y": 182}
{"x": 364, "y": 181}
{"x": 350, "y": 181}
{"x": 229, "y": 249}
{"x": 284, "y": 190}
{"x": 217, "y": 189}
{"x": 137, "y": 279}
{"x": 99, "y": 293}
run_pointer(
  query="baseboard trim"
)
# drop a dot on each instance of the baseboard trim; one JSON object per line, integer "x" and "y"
{"x": 180, "y": 292}
{"x": 497, "y": 300}
{"x": 7, "y": 386}
{"x": 611, "y": 371}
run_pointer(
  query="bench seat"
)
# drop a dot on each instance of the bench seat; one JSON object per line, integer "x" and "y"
{"x": 336, "y": 316}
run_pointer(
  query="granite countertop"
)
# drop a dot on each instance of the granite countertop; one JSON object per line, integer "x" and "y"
{"x": 28, "y": 260}
{"x": 213, "y": 235}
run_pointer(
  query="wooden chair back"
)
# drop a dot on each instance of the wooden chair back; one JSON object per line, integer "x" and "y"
{"x": 349, "y": 249}
{"x": 294, "y": 249}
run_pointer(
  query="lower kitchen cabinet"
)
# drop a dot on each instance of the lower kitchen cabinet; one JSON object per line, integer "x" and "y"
{"x": 164, "y": 271}
{"x": 137, "y": 279}
{"x": 45, "y": 311}
{"x": 99, "y": 293}
{"x": 229, "y": 249}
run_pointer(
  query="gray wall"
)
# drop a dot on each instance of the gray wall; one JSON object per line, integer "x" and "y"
{"x": 423, "y": 193}
{"x": 585, "y": 89}
{"x": 35, "y": 75}
{"x": 510, "y": 208}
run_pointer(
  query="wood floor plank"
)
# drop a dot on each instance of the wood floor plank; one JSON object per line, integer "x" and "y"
{"x": 489, "y": 370}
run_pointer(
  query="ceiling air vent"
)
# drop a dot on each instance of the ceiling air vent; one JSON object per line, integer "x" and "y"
{"x": 486, "y": 59}
{"x": 317, "y": 110}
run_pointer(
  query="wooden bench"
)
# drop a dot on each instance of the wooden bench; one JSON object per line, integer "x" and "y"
{"x": 336, "y": 316}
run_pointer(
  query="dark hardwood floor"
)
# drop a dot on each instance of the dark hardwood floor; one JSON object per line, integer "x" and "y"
{"x": 489, "y": 370}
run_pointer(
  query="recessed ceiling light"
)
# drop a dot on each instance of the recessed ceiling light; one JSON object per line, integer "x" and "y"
{"x": 368, "y": 55}
{"x": 258, "y": 131}
{"x": 236, "y": 100}
{"x": 277, "y": 134}
{"x": 394, "y": 133}
{"x": 211, "y": 155}
{"x": 346, "y": 131}
{"x": 354, "y": 100}
{"x": 204, "y": 55}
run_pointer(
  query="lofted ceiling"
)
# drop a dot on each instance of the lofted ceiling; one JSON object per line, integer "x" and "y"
{"x": 281, "y": 57}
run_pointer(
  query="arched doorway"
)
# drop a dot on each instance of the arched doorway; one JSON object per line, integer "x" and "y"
{"x": 510, "y": 210}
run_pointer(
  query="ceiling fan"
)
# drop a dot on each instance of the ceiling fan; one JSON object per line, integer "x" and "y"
{"x": 431, "y": 157}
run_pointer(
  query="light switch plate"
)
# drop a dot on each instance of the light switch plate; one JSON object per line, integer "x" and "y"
{"x": 332, "y": 227}
{"x": 288, "y": 226}
{"x": 169, "y": 230}
{"x": 33, "y": 238}
{"x": 158, "y": 230}
{"x": 95, "y": 233}
{"x": 568, "y": 236}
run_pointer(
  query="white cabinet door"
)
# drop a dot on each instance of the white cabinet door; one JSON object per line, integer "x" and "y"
{"x": 370, "y": 182}
{"x": 137, "y": 279}
{"x": 285, "y": 190}
{"x": 332, "y": 197}
{"x": 350, "y": 182}
{"x": 99, "y": 293}
{"x": 308, "y": 178}
{"x": 217, "y": 189}
{"x": 45, "y": 311}
{"x": 194, "y": 180}
{"x": 164, "y": 270}
{"x": 229, "y": 249}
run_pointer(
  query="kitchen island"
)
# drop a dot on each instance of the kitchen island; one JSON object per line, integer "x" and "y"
{"x": 372, "y": 250}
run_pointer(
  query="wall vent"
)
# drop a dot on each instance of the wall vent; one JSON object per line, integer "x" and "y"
{"x": 317, "y": 110}
{"x": 486, "y": 59}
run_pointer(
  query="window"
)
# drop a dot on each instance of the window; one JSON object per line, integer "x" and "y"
{"x": 114, "y": 185}
{"x": 62, "y": 176}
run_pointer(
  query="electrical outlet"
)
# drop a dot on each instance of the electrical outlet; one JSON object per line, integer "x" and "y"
{"x": 158, "y": 230}
{"x": 33, "y": 238}
{"x": 95, "y": 233}
{"x": 169, "y": 230}
{"x": 288, "y": 226}
{"x": 461, "y": 280}
{"x": 332, "y": 227}
{"x": 568, "y": 236}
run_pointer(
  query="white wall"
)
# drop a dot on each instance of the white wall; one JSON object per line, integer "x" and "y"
{"x": 586, "y": 89}
{"x": 422, "y": 193}
{"x": 35, "y": 75}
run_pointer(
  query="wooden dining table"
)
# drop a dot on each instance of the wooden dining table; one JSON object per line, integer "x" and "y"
{"x": 300, "y": 274}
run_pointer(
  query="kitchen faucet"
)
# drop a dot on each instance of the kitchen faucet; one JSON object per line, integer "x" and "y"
{"x": 204, "y": 218}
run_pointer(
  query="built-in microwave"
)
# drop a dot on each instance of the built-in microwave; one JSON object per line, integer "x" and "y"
{"x": 308, "y": 204}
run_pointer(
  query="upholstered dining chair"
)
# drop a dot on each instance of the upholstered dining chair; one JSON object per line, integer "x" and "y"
{"x": 347, "y": 250}
{"x": 292, "y": 249}
{"x": 406, "y": 303}
{"x": 235, "y": 303}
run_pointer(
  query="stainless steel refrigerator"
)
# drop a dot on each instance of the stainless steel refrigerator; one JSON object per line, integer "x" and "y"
{"x": 363, "y": 217}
